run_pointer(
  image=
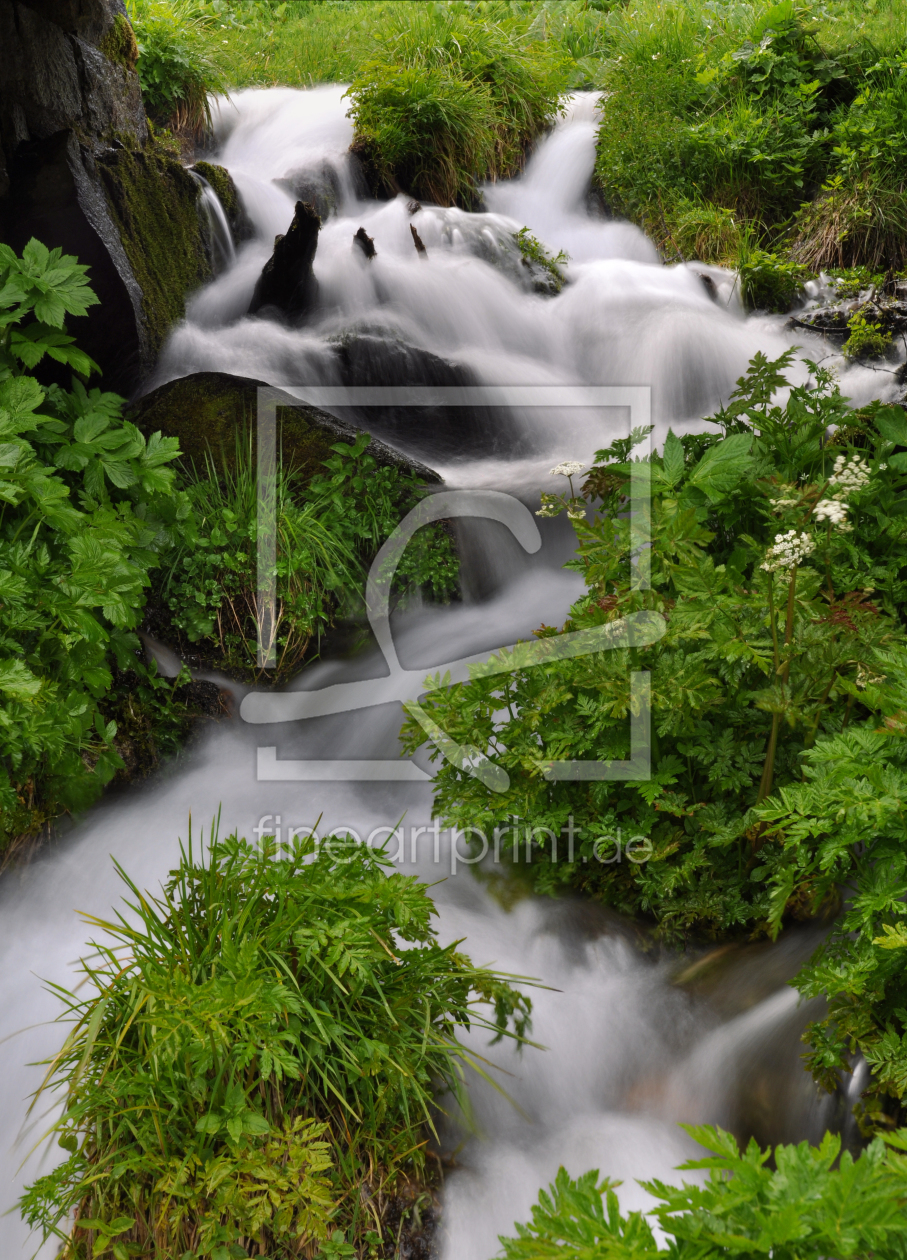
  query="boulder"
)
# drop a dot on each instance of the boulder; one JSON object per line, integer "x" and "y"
{"x": 287, "y": 285}
{"x": 376, "y": 356}
{"x": 210, "y": 411}
{"x": 79, "y": 170}
{"x": 318, "y": 185}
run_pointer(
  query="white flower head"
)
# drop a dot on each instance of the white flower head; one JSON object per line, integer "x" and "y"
{"x": 850, "y": 475}
{"x": 788, "y": 551}
{"x": 831, "y": 510}
{"x": 781, "y": 505}
{"x": 568, "y": 469}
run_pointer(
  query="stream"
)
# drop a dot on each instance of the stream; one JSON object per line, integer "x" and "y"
{"x": 629, "y": 1053}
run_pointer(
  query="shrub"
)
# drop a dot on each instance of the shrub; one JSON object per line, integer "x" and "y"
{"x": 86, "y": 507}
{"x": 807, "y": 1207}
{"x": 453, "y": 96}
{"x": 257, "y": 1054}
{"x": 762, "y": 654}
{"x": 768, "y": 281}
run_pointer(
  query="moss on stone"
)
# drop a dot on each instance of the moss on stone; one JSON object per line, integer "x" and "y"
{"x": 219, "y": 179}
{"x": 154, "y": 202}
{"x": 118, "y": 44}
{"x": 207, "y": 411}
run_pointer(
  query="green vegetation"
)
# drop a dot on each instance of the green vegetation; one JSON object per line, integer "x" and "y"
{"x": 255, "y": 1061}
{"x": 329, "y": 526}
{"x": 866, "y": 339}
{"x": 805, "y": 1208}
{"x": 86, "y": 506}
{"x": 93, "y": 518}
{"x": 175, "y": 71}
{"x": 777, "y": 565}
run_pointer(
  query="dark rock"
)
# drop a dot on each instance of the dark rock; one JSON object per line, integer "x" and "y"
{"x": 366, "y": 243}
{"x": 708, "y": 284}
{"x": 79, "y": 171}
{"x": 376, "y": 357}
{"x": 417, "y": 241}
{"x": 287, "y": 284}
{"x": 221, "y": 181}
{"x": 413, "y": 208}
{"x": 319, "y": 186}
{"x": 210, "y": 411}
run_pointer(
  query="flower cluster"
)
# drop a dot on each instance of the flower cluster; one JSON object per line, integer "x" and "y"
{"x": 568, "y": 469}
{"x": 554, "y": 504}
{"x": 551, "y": 505}
{"x": 850, "y": 476}
{"x": 833, "y": 511}
{"x": 781, "y": 505}
{"x": 789, "y": 550}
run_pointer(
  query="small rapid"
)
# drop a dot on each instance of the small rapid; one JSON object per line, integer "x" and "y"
{"x": 629, "y": 1053}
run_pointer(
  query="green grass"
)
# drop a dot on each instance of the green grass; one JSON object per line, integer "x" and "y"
{"x": 251, "y": 1049}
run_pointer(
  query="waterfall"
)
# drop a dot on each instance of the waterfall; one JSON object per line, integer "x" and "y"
{"x": 628, "y": 1052}
{"x": 223, "y": 251}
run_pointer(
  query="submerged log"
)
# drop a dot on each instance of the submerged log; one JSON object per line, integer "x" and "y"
{"x": 418, "y": 242}
{"x": 287, "y": 283}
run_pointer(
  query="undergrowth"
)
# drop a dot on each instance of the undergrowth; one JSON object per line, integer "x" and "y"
{"x": 253, "y": 1057}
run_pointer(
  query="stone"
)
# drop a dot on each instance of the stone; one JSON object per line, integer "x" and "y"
{"x": 80, "y": 170}
{"x": 221, "y": 181}
{"x": 211, "y": 411}
{"x": 366, "y": 243}
{"x": 287, "y": 284}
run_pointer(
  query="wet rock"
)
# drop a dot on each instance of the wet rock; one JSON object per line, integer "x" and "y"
{"x": 366, "y": 243}
{"x": 287, "y": 284}
{"x": 376, "y": 356}
{"x": 417, "y": 241}
{"x": 221, "y": 181}
{"x": 317, "y": 185}
{"x": 832, "y": 321}
{"x": 210, "y": 411}
{"x": 79, "y": 171}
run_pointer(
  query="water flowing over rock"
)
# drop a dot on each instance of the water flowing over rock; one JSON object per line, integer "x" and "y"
{"x": 79, "y": 170}
{"x": 287, "y": 284}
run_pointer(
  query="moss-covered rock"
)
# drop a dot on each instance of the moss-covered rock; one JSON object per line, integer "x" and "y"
{"x": 228, "y": 195}
{"x": 153, "y": 201}
{"x": 118, "y": 43}
{"x": 207, "y": 411}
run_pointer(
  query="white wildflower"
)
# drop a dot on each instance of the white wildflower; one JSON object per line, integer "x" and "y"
{"x": 882, "y": 467}
{"x": 831, "y": 510}
{"x": 850, "y": 475}
{"x": 789, "y": 550}
{"x": 865, "y": 677}
{"x": 568, "y": 469}
{"x": 577, "y": 513}
{"x": 781, "y": 505}
{"x": 551, "y": 506}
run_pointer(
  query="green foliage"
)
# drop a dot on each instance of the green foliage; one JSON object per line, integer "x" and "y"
{"x": 258, "y": 1044}
{"x": 534, "y": 254}
{"x": 807, "y": 1207}
{"x": 769, "y": 282}
{"x": 452, "y": 96}
{"x": 766, "y": 647}
{"x": 175, "y": 71}
{"x": 866, "y": 339}
{"x": 86, "y": 505}
{"x": 327, "y": 530}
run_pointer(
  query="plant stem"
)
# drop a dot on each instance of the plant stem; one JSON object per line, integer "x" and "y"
{"x": 768, "y": 770}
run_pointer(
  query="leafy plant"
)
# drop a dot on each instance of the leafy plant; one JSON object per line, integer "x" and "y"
{"x": 809, "y": 1206}
{"x": 258, "y": 1043}
{"x": 777, "y": 578}
{"x": 768, "y": 281}
{"x": 86, "y": 506}
{"x": 176, "y": 74}
{"x": 534, "y": 255}
{"x": 327, "y": 530}
{"x": 866, "y": 338}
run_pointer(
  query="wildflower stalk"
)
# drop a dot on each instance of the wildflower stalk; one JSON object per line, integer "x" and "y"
{"x": 768, "y": 770}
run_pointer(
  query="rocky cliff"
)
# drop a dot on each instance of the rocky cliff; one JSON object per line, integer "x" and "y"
{"x": 79, "y": 169}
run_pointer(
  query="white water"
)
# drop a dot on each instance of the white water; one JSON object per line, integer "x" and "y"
{"x": 628, "y": 1054}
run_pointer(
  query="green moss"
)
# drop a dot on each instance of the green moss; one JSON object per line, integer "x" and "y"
{"x": 221, "y": 181}
{"x": 118, "y": 45}
{"x": 207, "y": 410}
{"x": 154, "y": 202}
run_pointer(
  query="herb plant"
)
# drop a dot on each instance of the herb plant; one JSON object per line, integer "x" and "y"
{"x": 256, "y": 1056}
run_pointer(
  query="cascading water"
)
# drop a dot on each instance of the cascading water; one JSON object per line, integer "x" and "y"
{"x": 629, "y": 1054}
